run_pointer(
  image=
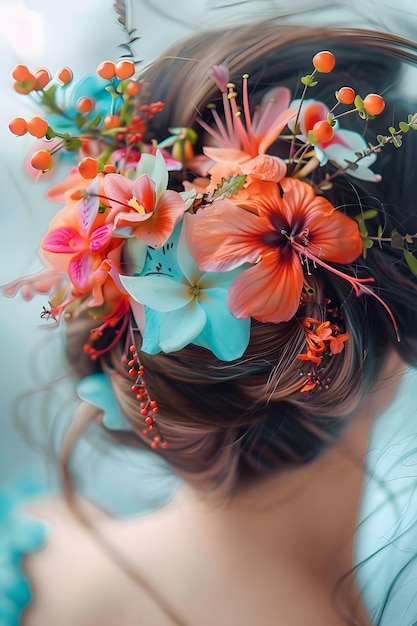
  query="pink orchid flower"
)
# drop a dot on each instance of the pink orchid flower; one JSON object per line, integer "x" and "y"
{"x": 81, "y": 243}
{"x": 143, "y": 208}
{"x": 241, "y": 144}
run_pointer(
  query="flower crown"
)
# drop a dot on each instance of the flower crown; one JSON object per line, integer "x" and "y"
{"x": 238, "y": 243}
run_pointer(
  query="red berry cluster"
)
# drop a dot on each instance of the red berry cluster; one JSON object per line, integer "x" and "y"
{"x": 148, "y": 408}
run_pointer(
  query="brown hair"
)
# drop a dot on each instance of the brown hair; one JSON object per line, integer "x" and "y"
{"x": 228, "y": 422}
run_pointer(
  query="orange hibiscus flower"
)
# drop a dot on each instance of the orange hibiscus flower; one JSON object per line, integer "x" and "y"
{"x": 280, "y": 233}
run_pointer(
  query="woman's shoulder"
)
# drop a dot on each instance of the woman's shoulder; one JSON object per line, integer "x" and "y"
{"x": 87, "y": 573}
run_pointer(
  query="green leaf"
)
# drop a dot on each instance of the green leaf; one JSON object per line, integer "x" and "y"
{"x": 308, "y": 80}
{"x": 311, "y": 137}
{"x": 392, "y": 130}
{"x": 96, "y": 121}
{"x": 230, "y": 186}
{"x": 73, "y": 143}
{"x": 369, "y": 214}
{"x": 396, "y": 240}
{"x": 368, "y": 243}
{"x": 397, "y": 142}
{"x": 404, "y": 127}
{"x": 411, "y": 261}
{"x": 380, "y": 138}
{"x": 112, "y": 91}
{"x": 413, "y": 126}
{"x": 358, "y": 102}
{"x": 330, "y": 119}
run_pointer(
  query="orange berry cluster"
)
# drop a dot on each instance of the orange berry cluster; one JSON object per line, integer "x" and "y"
{"x": 373, "y": 104}
{"x": 122, "y": 70}
{"x": 148, "y": 408}
{"x": 89, "y": 167}
{"x": 27, "y": 81}
{"x": 36, "y": 126}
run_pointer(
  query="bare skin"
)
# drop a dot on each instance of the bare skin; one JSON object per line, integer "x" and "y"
{"x": 270, "y": 556}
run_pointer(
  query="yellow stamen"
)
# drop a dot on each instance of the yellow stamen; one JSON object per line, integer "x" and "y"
{"x": 133, "y": 202}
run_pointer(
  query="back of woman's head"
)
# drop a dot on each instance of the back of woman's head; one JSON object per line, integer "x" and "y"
{"x": 228, "y": 421}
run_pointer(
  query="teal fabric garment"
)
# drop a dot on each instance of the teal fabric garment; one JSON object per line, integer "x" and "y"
{"x": 386, "y": 541}
{"x": 20, "y": 535}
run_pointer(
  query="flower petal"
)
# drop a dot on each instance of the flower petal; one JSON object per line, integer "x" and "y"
{"x": 225, "y": 236}
{"x": 150, "y": 332}
{"x": 179, "y": 328}
{"x": 186, "y": 261}
{"x": 154, "y": 167}
{"x": 63, "y": 240}
{"x": 225, "y": 335}
{"x": 334, "y": 238}
{"x": 100, "y": 237}
{"x": 159, "y": 227}
{"x": 88, "y": 209}
{"x": 80, "y": 270}
{"x": 276, "y": 129}
{"x": 143, "y": 190}
{"x": 273, "y": 103}
{"x": 158, "y": 292}
{"x": 226, "y": 155}
{"x": 265, "y": 167}
{"x": 97, "y": 390}
{"x": 270, "y": 291}
{"x": 118, "y": 191}
{"x": 312, "y": 111}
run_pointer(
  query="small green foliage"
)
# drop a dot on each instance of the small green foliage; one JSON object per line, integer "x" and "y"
{"x": 72, "y": 143}
{"x": 411, "y": 261}
{"x": 361, "y": 219}
{"x": 358, "y": 102}
{"x": 50, "y": 133}
{"x": 379, "y": 234}
{"x": 308, "y": 80}
{"x": 311, "y": 138}
{"x": 230, "y": 187}
{"x": 370, "y": 214}
{"x": 112, "y": 91}
{"x": 96, "y": 121}
{"x": 397, "y": 240}
{"x": 404, "y": 127}
{"x": 330, "y": 119}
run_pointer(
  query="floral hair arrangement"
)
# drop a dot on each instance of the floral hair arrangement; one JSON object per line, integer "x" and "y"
{"x": 238, "y": 243}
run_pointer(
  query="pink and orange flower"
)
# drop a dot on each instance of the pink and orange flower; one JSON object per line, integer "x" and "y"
{"x": 144, "y": 208}
{"x": 241, "y": 141}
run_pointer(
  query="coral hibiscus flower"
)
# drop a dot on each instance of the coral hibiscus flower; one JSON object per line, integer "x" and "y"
{"x": 280, "y": 234}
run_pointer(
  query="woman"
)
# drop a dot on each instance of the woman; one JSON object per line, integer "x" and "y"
{"x": 265, "y": 318}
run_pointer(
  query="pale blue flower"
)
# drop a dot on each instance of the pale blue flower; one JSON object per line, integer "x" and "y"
{"x": 187, "y": 305}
